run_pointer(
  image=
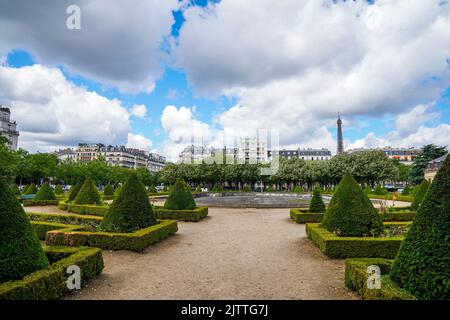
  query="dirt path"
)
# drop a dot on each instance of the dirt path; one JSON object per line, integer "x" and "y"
{"x": 232, "y": 254}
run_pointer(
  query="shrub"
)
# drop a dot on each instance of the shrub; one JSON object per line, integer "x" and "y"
{"x": 298, "y": 189}
{"x": 422, "y": 264}
{"x": 20, "y": 250}
{"x": 117, "y": 191}
{"x": 198, "y": 189}
{"x": 184, "y": 215}
{"x": 15, "y": 189}
{"x": 350, "y": 212}
{"x": 379, "y": 190}
{"x": 367, "y": 190}
{"x": 74, "y": 190}
{"x": 88, "y": 194}
{"x": 269, "y": 189}
{"x": 316, "y": 204}
{"x": 246, "y": 189}
{"x": 180, "y": 197}
{"x": 45, "y": 193}
{"x": 406, "y": 191}
{"x": 217, "y": 188}
{"x": 420, "y": 195}
{"x": 32, "y": 189}
{"x": 59, "y": 190}
{"x": 131, "y": 210}
{"x": 152, "y": 189}
{"x": 109, "y": 190}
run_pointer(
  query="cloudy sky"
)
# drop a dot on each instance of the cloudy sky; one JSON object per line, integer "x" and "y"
{"x": 158, "y": 74}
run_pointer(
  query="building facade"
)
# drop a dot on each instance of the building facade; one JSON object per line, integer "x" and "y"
{"x": 88, "y": 152}
{"x": 305, "y": 154}
{"x": 120, "y": 156}
{"x": 403, "y": 155}
{"x": 67, "y": 154}
{"x": 8, "y": 128}
{"x": 433, "y": 166}
{"x": 156, "y": 162}
{"x": 252, "y": 150}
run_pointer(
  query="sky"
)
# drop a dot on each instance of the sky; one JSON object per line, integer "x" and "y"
{"x": 159, "y": 75}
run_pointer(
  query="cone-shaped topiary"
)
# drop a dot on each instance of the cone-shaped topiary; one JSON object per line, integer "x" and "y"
{"x": 88, "y": 194}
{"x": 367, "y": 190}
{"x": 420, "y": 194}
{"x": 58, "y": 189}
{"x": 20, "y": 250}
{"x": 15, "y": 189}
{"x": 152, "y": 189}
{"x": 130, "y": 210}
{"x": 414, "y": 190}
{"x": 109, "y": 190}
{"x": 316, "y": 205}
{"x": 180, "y": 197}
{"x": 379, "y": 190}
{"x": 350, "y": 212}
{"x": 32, "y": 189}
{"x": 422, "y": 263}
{"x": 117, "y": 191}
{"x": 74, "y": 190}
{"x": 45, "y": 193}
{"x": 406, "y": 191}
{"x": 198, "y": 189}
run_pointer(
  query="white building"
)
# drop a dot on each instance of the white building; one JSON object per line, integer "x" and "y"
{"x": 67, "y": 154}
{"x": 404, "y": 155}
{"x": 252, "y": 150}
{"x": 156, "y": 162}
{"x": 305, "y": 154}
{"x": 120, "y": 156}
{"x": 8, "y": 128}
{"x": 194, "y": 154}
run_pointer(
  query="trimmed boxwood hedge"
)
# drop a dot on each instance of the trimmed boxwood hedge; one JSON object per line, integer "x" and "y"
{"x": 420, "y": 194}
{"x": 83, "y": 209}
{"x": 78, "y": 219}
{"x": 391, "y": 197}
{"x": 316, "y": 205}
{"x": 109, "y": 190}
{"x": 356, "y": 279}
{"x": 42, "y": 227}
{"x": 45, "y": 193}
{"x": 180, "y": 197}
{"x": 182, "y": 215}
{"x": 73, "y": 192}
{"x": 135, "y": 241}
{"x": 88, "y": 194}
{"x": 354, "y": 247}
{"x": 50, "y": 282}
{"x": 31, "y": 189}
{"x": 304, "y": 216}
{"x": 31, "y": 203}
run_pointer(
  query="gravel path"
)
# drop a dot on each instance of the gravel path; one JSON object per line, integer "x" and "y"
{"x": 232, "y": 254}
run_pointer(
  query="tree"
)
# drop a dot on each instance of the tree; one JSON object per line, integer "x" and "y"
{"x": 316, "y": 204}
{"x": 45, "y": 193}
{"x": 379, "y": 190}
{"x": 422, "y": 263}
{"x": 15, "y": 189}
{"x": 130, "y": 210}
{"x": 367, "y": 190}
{"x": 406, "y": 191}
{"x": 180, "y": 197}
{"x": 420, "y": 194}
{"x": 20, "y": 250}
{"x": 8, "y": 161}
{"x": 350, "y": 212}
{"x": 109, "y": 190}
{"x": 73, "y": 192}
{"x": 428, "y": 153}
{"x": 152, "y": 189}
{"x": 88, "y": 194}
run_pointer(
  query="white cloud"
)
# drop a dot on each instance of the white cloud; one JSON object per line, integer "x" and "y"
{"x": 51, "y": 111}
{"x": 139, "y": 111}
{"x": 410, "y": 121}
{"x": 119, "y": 43}
{"x": 139, "y": 142}
{"x": 295, "y": 65}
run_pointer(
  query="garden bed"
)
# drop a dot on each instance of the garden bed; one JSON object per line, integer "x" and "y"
{"x": 303, "y": 216}
{"x": 50, "y": 282}
{"x": 356, "y": 276}
{"x": 135, "y": 241}
{"x": 357, "y": 247}
{"x": 31, "y": 203}
{"x": 183, "y": 215}
{"x": 83, "y": 208}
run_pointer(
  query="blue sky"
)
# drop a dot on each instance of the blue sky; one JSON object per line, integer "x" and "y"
{"x": 210, "y": 76}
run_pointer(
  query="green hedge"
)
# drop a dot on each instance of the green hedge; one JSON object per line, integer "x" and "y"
{"x": 183, "y": 215}
{"x": 390, "y": 197}
{"x": 354, "y": 247}
{"x": 83, "y": 209}
{"x": 78, "y": 219}
{"x": 356, "y": 279}
{"x": 136, "y": 241}
{"x": 42, "y": 227}
{"x": 50, "y": 282}
{"x": 108, "y": 197}
{"x": 31, "y": 203}
{"x": 304, "y": 216}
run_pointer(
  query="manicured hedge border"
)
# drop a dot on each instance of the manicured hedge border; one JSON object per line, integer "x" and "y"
{"x": 50, "y": 283}
{"x": 30, "y": 203}
{"x": 303, "y": 216}
{"x": 353, "y": 247}
{"x": 83, "y": 209}
{"x": 183, "y": 215}
{"x": 356, "y": 279}
{"x": 78, "y": 219}
{"x": 136, "y": 241}
{"x": 106, "y": 198}
{"x": 391, "y": 197}
{"x": 42, "y": 227}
